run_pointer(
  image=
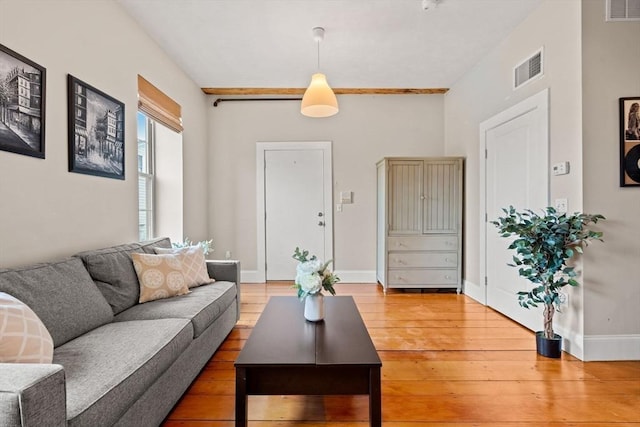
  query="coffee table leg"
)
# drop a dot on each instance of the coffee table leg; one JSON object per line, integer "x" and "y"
{"x": 241, "y": 397}
{"x": 375, "y": 398}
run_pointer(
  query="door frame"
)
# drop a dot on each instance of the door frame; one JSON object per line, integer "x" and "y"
{"x": 539, "y": 101}
{"x": 261, "y": 149}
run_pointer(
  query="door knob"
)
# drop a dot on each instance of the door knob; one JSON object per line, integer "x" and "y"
{"x": 321, "y": 223}
{"x": 320, "y": 214}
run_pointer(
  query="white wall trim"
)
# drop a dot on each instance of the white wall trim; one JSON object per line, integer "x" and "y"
{"x": 474, "y": 291}
{"x": 611, "y": 347}
{"x": 261, "y": 148}
{"x": 346, "y": 276}
{"x": 250, "y": 276}
{"x": 356, "y": 276}
{"x": 572, "y": 342}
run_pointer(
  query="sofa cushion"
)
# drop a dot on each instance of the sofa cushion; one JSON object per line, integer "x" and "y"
{"x": 149, "y": 246}
{"x": 110, "y": 367}
{"x": 112, "y": 270}
{"x": 202, "y": 306}
{"x": 62, "y": 294}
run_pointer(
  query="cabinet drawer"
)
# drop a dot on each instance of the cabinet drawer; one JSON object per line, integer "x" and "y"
{"x": 419, "y": 277}
{"x": 423, "y": 259}
{"x": 422, "y": 243}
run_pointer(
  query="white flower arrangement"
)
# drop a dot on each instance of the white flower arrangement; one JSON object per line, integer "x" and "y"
{"x": 312, "y": 275}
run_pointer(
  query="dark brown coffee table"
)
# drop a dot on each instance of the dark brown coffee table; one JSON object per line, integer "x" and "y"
{"x": 286, "y": 354}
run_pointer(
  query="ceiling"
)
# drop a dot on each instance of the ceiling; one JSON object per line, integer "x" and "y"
{"x": 367, "y": 44}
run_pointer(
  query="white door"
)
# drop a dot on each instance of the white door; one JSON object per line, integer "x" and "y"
{"x": 294, "y": 207}
{"x": 517, "y": 172}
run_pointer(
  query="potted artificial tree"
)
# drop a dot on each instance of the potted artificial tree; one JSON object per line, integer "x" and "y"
{"x": 543, "y": 245}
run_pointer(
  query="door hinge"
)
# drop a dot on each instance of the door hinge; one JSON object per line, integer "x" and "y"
{"x": 486, "y": 153}
{"x": 486, "y": 217}
{"x": 486, "y": 281}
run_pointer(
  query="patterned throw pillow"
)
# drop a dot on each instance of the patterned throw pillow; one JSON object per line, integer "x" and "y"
{"x": 194, "y": 265}
{"x": 23, "y": 336}
{"x": 160, "y": 276}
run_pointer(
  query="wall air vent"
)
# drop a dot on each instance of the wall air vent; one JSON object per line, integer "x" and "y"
{"x": 527, "y": 70}
{"x": 623, "y": 10}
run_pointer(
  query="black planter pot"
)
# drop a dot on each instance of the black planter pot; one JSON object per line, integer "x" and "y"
{"x": 548, "y": 347}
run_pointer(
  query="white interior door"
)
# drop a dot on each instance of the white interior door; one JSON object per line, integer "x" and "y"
{"x": 517, "y": 174}
{"x": 295, "y": 212}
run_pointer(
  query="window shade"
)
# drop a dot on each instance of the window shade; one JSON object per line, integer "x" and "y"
{"x": 155, "y": 104}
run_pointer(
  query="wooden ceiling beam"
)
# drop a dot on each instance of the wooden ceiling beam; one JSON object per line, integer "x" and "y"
{"x": 226, "y": 91}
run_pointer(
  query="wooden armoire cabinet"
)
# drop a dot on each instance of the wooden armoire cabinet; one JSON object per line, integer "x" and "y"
{"x": 419, "y": 242}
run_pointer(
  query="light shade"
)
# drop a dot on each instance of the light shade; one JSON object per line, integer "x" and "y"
{"x": 319, "y": 100}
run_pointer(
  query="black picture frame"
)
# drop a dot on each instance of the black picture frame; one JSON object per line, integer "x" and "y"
{"x": 22, "y": 104}
{"x": 630, "y": 141}
{"x": 96, "y": 131}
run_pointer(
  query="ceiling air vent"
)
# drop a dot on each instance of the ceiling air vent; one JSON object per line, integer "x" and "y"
{"x": 623, "y": 10}
{"x": 527, "y": 70}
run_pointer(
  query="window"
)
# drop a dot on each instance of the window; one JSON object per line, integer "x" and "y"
{"x": 146, "y": 137}
{"x": 160, "y": 180}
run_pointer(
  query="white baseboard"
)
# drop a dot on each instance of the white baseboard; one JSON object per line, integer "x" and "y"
{"x": 250, "y": 276}
{"x": 611, "y": 347}
{"x": 346, "y": 276}
{"x": 475, "y": 292}
{"x": 357, "y": 276}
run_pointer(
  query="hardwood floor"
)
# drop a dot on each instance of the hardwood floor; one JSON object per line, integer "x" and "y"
{"x": 447, "y": 361}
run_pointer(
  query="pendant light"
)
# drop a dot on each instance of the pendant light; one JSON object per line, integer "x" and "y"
{"x": 319, "y": 100}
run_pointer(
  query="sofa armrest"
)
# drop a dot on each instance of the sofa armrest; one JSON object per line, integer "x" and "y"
{"x": 226, "y": 270}
{"x": 32, "y": 395}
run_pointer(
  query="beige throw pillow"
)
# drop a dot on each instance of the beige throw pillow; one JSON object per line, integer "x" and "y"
{"x": 160, "y": 276}
{"x": 194, "y": 265}
{"x": 23, "y": 336}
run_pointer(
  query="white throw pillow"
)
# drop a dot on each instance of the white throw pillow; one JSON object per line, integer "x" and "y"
{"x": 23, "y": 336}
{"x": 194, "y": 265}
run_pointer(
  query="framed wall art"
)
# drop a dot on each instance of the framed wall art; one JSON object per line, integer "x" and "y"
{"x": 22, "y": 104}
{"x": 96, "y": 131}
{"x": 630, "y": 142}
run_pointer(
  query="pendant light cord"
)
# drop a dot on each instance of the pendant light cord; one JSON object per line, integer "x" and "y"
{"x": 318, "y": 43}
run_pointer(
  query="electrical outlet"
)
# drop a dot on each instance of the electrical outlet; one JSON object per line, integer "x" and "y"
{"x": 339, "y": 207}
{"x": 227, "y": 255}
{"x": 561, "y": 168}
{"x": 561, "y": 205}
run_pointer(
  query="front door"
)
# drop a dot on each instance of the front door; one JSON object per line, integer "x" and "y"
{"x": 295, "y": 214}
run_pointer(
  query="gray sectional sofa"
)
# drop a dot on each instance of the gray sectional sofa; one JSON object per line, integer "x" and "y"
{"x": 116, "y": 362}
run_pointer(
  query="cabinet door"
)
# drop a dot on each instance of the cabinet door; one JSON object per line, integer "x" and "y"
{"x": 441, "y": 210}
{"x": 405, "y": 196}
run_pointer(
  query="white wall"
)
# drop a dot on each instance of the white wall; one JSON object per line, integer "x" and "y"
{"x": 366, "y": 129}
{"x": 610, "y": 64}
{"x": 47, "y": 212}
{"x": 487, "y": 90}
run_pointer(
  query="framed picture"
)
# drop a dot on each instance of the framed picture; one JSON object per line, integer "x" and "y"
{"x": 96, "y": 131}
{"x": 630, "y": 142}
{"x": 22, "y": 90}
